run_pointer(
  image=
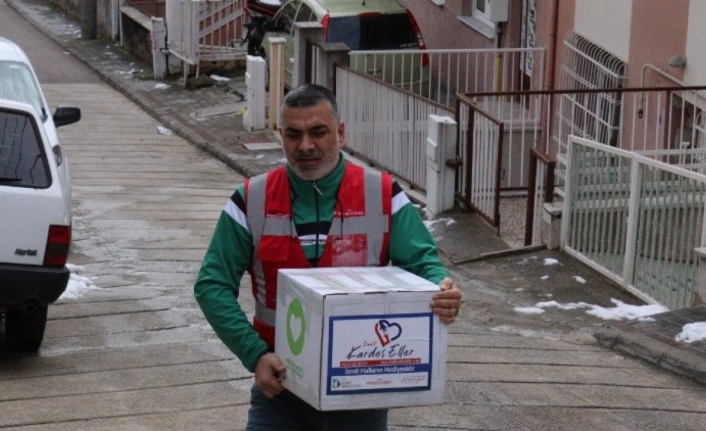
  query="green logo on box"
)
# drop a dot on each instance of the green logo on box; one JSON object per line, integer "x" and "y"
{"x": 295, "y": 327}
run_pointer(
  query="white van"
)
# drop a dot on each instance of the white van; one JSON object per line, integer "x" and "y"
{"x": 35, "y": 201}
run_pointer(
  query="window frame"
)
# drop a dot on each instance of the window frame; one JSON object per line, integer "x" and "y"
{"x": 480, "y": 15}
{"x": 478, "y": 20}
{"x": 20, "y": 145}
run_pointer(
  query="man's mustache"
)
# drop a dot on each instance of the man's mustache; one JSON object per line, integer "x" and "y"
{"x": 307, "y": 155}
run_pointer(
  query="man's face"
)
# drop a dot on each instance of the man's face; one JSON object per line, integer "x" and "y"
{"x": 312, "y": 140}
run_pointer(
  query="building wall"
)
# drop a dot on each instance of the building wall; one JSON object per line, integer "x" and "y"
{"x": 442, "y": 29}
{"x": 658, "y": 32}
{"x": 555, "y": 18}
{"x": 606, "y": 23}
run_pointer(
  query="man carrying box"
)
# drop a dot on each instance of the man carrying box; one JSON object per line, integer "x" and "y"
{"x": 318, "y": 211}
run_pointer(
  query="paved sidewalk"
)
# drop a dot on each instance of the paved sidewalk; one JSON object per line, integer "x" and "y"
{"x": 211, "y": 117}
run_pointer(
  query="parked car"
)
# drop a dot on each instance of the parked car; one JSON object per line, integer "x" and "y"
{"x": 35, "y": 201}
{"x": 362, "y": 26}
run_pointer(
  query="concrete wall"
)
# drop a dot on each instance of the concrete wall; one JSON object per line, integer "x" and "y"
{"x": 606, "y": 23}
{"x": 555, "y": 18}
{"x": 72, "y": 8}
{"x": 137, "y": 40}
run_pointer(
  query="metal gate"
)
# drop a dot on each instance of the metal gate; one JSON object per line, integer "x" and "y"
{"x": 641, "y": 119}
{"x": 205, "y": 30}
{"x": 635, "y": 219}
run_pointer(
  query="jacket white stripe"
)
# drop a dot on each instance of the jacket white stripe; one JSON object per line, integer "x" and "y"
{"x": 236, "y": 214}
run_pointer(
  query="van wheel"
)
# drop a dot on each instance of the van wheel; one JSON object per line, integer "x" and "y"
{"x": 24, "y": 331}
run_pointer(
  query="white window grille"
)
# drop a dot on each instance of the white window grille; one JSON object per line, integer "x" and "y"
{"x": 594, "y": 116}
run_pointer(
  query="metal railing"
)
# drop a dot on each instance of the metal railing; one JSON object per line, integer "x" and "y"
{"x": 182, "y": 34}
{"x": 481, "y": 150}
{"x": 540, "y": 191}
{"x": 386, "y": 126}
{"x": 438, "y": 74}
{"x": 642, "y": 119}
{"x": 634, "y": 219}
{"x": 205, "y": 30}
{"x": 221, "y": 26}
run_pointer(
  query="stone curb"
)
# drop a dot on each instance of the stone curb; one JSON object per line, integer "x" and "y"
{"x": 678, "y": 361}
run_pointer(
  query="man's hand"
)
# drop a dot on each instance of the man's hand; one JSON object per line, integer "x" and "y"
{"x": 447, "y": 301}
{"x": 269, "y": 373}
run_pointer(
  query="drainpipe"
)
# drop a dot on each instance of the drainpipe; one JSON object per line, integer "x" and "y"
{"x": 498, "y": 56}
{"x": 551, "y": 59}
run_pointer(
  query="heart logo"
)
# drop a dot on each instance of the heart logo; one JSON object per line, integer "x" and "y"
{"x": 295, "y": 327}
{"x": 387, "y": 332}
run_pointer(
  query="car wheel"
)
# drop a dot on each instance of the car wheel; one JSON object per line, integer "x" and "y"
{"x": 24, "y": 330}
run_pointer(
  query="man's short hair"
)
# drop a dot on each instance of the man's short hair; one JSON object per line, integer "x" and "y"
{"x": 309, "y": 95}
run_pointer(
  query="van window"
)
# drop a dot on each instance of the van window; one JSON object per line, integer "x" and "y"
{"x": 305, "y": 14}
{"x": 373, "y": 32}
{"x": 17, "y": 83}
{"x": 285, "y": 20}
{"x": 22, "y": 159}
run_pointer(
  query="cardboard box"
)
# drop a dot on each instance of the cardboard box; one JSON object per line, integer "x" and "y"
{"x": 357, "y": 338}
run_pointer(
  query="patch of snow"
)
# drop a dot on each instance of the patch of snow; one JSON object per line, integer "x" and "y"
{"x": 692, "y": 332}
{"x": 163, "y": 131}
{"x": 621, "y": 311}
{"x": 527, "y": 333}
{"x": 528, "y": 310}
{"x": 78, "y": 284}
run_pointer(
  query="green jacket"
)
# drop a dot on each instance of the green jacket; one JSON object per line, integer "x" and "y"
{"x": 229, "y": 254}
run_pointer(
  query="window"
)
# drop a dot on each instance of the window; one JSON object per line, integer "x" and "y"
{"x": 373, "y": 31}
{"x": 305, "y": 14}
{"x": 476, "y": 14}
{"x": 480, "y": 11}
{"x": 285, "y": 20}
{"x": 17, "y": 83}
{"x": 22, "y": 159}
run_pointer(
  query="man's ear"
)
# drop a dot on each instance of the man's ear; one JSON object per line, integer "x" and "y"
{"x": 341, "y": 134}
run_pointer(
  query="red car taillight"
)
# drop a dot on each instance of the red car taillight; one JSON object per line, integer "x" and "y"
{"x": 58, "y": 243}
{"x": 420, "y": 39}
{"x": 324, "y": 23}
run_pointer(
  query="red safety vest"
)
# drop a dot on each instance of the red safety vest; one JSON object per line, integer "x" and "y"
{"x": 359, "y": 233}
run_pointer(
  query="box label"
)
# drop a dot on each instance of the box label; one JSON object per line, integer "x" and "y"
{"x": 379, "y": 353}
